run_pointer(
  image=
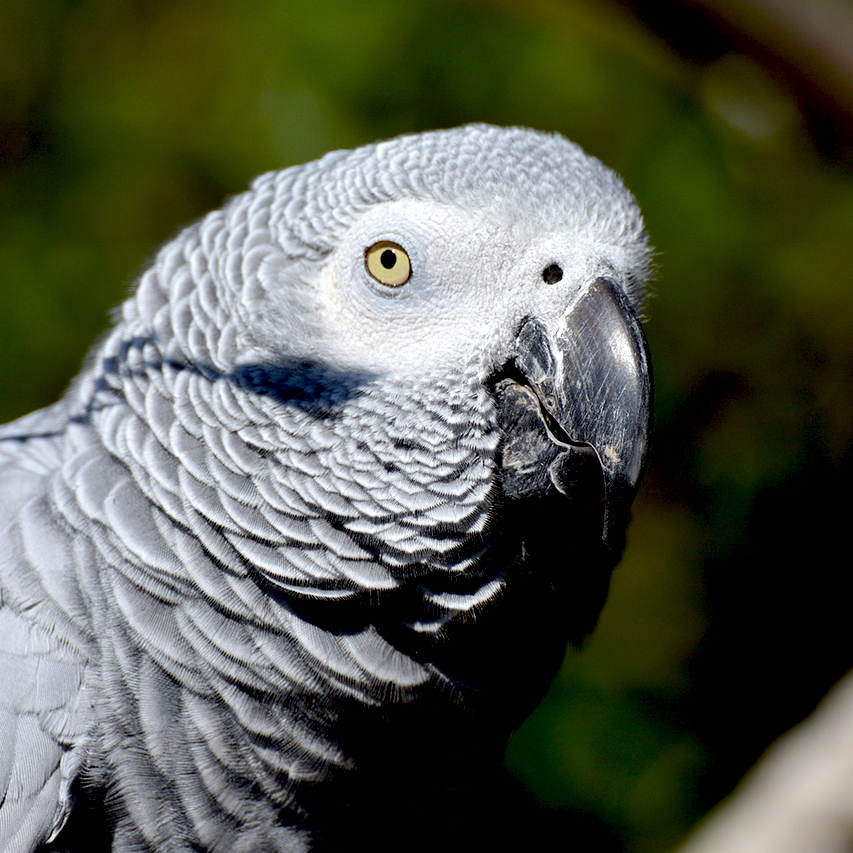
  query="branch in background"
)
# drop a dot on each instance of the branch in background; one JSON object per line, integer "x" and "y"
{"x": 799, "y": 797}
{"x": 805, "y": 44}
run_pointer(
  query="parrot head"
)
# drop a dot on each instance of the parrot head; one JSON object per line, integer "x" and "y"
{"x": 498, "y": 260}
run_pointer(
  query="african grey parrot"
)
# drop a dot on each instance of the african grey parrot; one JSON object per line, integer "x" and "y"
{"x": 309, "y": 533}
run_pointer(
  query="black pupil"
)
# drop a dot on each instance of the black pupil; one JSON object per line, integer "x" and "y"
{"x": 388, "y": 259}
{"x": 552, "y": 274}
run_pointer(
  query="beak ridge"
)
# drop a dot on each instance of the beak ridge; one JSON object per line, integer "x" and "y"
{"x": 592, "y": 377}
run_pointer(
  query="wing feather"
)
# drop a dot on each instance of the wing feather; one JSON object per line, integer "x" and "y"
{"x": 43, "y": 705}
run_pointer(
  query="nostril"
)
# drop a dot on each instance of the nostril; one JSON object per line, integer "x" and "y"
{"x": 552, "y": 274}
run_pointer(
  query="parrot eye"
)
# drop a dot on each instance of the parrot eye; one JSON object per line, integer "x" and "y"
{"x": 388, "y": 263}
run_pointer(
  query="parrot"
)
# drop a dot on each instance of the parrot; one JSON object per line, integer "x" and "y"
{"x": 308, "y": 536}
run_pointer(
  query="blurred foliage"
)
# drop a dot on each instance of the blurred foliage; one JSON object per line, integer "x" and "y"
{"x": 121, "y": 120}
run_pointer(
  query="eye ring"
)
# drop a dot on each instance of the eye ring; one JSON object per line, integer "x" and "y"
{"x": 388, "y": 263}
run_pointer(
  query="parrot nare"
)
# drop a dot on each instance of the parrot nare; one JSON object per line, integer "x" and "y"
{"x": 309, "y": 534}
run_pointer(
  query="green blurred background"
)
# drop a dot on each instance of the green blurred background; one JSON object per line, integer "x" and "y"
{"x": 121, "y": 120}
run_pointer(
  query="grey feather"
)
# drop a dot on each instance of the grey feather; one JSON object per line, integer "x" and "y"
{"x": 259, "y": 571}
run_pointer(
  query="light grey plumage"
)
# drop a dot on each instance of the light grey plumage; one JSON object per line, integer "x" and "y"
{"x": 247, "y": 556}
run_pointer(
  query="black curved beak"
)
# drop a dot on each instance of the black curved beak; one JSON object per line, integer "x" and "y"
{"x": 586, "y": 409}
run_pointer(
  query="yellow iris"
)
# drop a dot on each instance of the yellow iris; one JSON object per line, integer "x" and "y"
{"x": 388, "y": 263}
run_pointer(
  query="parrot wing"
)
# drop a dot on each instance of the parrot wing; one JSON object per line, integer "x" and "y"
{"x": 42, "y": 654}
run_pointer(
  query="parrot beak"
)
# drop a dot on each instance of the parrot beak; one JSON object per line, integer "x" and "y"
{"x": 581, "y": 402}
